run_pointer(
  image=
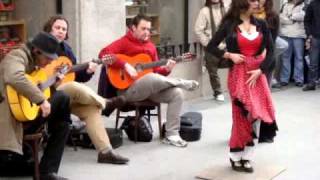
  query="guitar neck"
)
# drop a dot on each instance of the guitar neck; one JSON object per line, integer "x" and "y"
{"x": 153, "y": 64}
{"x": 53, "y": 79}
{"x": 83, "y": 66}
{"x": 44, "y": 85}
{"x": 79, "y": 67}
{"x": 158, "y": 63}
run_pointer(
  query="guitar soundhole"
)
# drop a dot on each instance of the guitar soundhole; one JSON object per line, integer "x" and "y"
{"x": 122, "y": 75}
{"x": 139, "y": 67}
{"x": 40, "y": 86}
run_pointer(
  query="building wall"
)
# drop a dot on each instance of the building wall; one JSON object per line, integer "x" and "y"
{"x": 172, "y": 30}
{"x": 95, "y": 24}
{"x": 277, "y": 4}
{"x": 35, "y": 13}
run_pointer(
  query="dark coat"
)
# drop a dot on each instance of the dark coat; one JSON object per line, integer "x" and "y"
{"x": 227, "y": 31}
{"x": 312, "y": 19}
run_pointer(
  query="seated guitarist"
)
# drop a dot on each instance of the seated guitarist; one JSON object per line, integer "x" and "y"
{"x": 153, "y": 86}
{"x": 37, "y": 53}
{"x": 84, "y": 102}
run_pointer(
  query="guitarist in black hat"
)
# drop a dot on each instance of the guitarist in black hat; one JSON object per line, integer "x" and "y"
{"x": 54, "y": 111}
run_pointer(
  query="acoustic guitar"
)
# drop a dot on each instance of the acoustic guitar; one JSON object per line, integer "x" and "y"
{"x": 24, "y": 110}
{"x": 51, "y": 68}
{"x": 143, "y": 63}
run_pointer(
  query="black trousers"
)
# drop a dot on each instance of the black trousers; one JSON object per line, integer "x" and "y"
{"x": 58, "y": 129}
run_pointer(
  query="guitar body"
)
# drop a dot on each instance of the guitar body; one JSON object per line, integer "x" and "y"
{"x": 51, "y": 68}
{"x": 119, "y": 78}
{"x": 22, "y": 109}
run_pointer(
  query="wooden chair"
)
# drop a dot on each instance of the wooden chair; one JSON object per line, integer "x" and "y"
{"x": 33, "y": 141}
{"x": 136, "y": 106}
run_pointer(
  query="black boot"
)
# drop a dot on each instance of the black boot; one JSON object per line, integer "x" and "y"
{"x": 236, "y": 165}
{"x": 112, "y": 158}
{"x": 265, "y": 140}
{"x": 113, "y": 103}
{"x": 246, "y": 165}
{"x": 309, "y": 87}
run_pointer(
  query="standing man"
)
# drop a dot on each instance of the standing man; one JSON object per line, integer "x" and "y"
{"x": 55, "y": 111}
{"x": 312, "y": 26}
{"x": 206, "y": 25}
{"x": 153, "y": 86}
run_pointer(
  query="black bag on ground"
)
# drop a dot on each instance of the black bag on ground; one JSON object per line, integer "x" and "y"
{"x": 190, "y": 127}
{"x": 144, "y": 128}
{"x": 82, "y": 139}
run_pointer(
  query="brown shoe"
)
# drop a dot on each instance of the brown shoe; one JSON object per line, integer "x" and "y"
{"x": 113, "y": 103}
{"x": 112, "y": 158}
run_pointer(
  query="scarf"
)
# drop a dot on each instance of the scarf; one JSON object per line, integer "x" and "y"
{"x": 261, "y": 14}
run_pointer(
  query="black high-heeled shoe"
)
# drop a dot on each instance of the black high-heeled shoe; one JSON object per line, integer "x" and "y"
{"x": 246, "y": 166}
{"x": 236, "y": 165}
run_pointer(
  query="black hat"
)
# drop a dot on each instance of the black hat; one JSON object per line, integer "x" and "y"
{"x": 47, "y": 44}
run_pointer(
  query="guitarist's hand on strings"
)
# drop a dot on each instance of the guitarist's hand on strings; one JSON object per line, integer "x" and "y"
{"x": 92, "y": 67}
{"x": 59, "y": 79}
{"x": 170, "y": 64}
{"x": 45, "y": 107}
{"x": 131, "y": 71}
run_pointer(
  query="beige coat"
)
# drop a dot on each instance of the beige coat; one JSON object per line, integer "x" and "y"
{"x": 202, "y": 26}
{"x": 292, "y": 21}
{"x": 12, "y": 70}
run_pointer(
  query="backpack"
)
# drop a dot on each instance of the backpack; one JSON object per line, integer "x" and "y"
{"x": 144, "y": 128}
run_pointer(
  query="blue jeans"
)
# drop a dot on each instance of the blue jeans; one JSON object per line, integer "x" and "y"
{"x": 296, "y": 48}
{"x": 314, "y": 61}
{"x": 281, "y": 45}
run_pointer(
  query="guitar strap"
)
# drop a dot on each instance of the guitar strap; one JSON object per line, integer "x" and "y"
{"x": 212, "y": 22}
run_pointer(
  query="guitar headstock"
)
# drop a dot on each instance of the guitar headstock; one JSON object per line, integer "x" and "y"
{"x": 185, "y": 57}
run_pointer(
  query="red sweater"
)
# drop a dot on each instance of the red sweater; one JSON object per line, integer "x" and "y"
{"x": 130, "y": 46}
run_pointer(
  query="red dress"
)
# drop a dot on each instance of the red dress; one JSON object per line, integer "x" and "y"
{"x": 256, "y": 101}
